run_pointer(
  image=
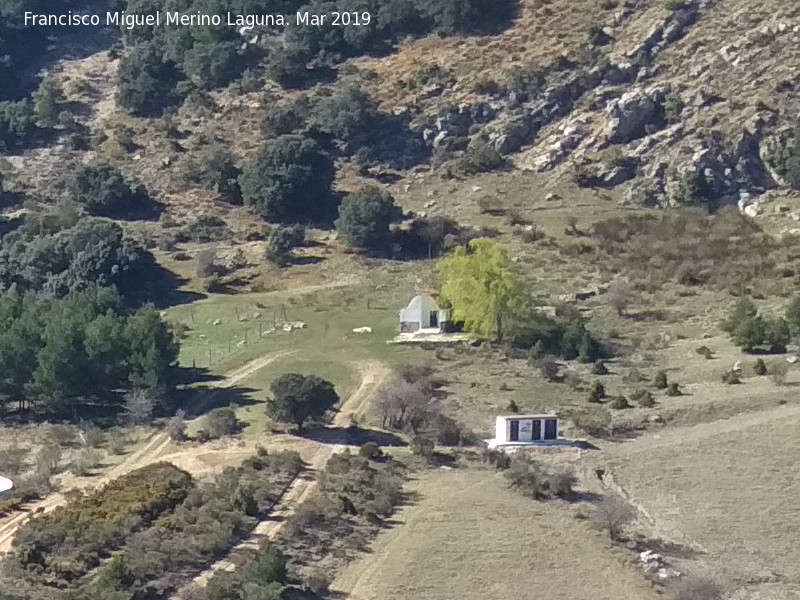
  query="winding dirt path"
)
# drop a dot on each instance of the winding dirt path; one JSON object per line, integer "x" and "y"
{"x": 372, "y": 374}
{"x": 149, "y": 453}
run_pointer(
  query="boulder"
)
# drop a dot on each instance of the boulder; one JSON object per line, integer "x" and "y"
{"x": 509, "y": 135}
{"x": 635, "y": 114}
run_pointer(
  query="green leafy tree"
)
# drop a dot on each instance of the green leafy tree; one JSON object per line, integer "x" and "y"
{"x": 282, "y": 240}
{"x": 213, "y": 64}
{"x": 743, "y": 309}
{"x": 289, "y": 181}
{"x": 481, "y": 287}
{"x": 153, "y": 351}
{"x": 17, "y": 124}
{"x": 45, "y": 103}
{"x": 578, "y": 342}
{"x": 214, "y": 168}
{"x": 147, "y": 83}
{"x": 102, "y": 189}
{"x": 365, "y": 217}
{"x": 792, "y": 313}
{"x": 300, "y": 398}
{"x": 349, "y": 115}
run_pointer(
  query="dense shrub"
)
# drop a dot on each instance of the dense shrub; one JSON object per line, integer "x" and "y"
{"x": 203, "y": 528}
{"x": 282, "y": 240}
{"x": 219, "y": 423}
{"x": 285, "y": 119}
{"x": 204, "y": 229}
{"x": 752, "y": 331}
{"x": 480, "y": 157}
{"x": 428, "y": 237}
{"x": 17, "y": 125}
{"x": 660, "y": 380}
{"x": 45, "y": 102}
{"x": 643, "y": 398}
{"x": 349, "y": 115}
{"x": 103, "y": 191}
{"x": 731, "y": 378}
{"x": 759, "y": 368}
{"x": 597, "y": 392}
{"x": 56, "y": 258}
{"x": 289, "y": 181}
{"x": 66, "y": 543}
{"x": 262, "y": 577}
{"x": 370, "y": 450}
{"x": 619, "y": 403}
{"x": 535, "y": 481}
{"x": 705, "y": 352}
{"x": 365, "y": 217}
{"x": 599, "y": 368}
{"x": 578, "y": 342}
{"x": 673, "y": 390}
{"x": 147, "y": 81}
{"x": 214, "y": 168}
{"x": 352, "y": 501}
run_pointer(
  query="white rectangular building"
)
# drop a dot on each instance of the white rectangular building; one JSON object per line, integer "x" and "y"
{"x": 524, "y": 429}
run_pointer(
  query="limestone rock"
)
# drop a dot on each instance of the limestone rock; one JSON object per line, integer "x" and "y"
{"x": 635, "y": 114}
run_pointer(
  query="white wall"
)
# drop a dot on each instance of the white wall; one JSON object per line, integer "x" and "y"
{"x": 503, "y": 429}
{"x": 419, "y": 310}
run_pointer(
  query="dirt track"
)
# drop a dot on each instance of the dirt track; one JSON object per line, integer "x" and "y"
{"x": 145, "y": 455}
{"x": 372, "y": 374}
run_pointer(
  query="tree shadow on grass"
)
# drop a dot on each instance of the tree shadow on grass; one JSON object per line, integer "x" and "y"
{"x": 351, "y": 436}
{"x": 200, "y": 399}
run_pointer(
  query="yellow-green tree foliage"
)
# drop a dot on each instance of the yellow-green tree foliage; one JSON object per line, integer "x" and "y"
{"x": 481, "y": 287}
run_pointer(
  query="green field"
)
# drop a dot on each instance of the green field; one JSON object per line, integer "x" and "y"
{"x": 326, "y": 346}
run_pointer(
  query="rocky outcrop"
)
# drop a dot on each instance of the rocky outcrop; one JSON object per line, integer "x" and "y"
{"x": 510, "y": 134}
{"x": 635, "y": 114}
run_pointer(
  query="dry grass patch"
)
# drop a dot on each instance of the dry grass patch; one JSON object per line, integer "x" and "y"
{"x": 468, "y": 534}
{"x": 724, "y": 487}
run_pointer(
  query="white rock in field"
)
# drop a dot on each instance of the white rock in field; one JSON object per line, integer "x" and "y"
{"x": 217, "y": 322}
{"x": 362, "y": 330}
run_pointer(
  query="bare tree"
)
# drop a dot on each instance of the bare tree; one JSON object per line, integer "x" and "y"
{"x": 206, "y": 263}
{"x": 13, "y": 459}
{"x": 176, "y": 427}
{"x": 548, "y": 367}
{"x": 139, "y": 406}
{"x": 620, "y": 295}
{"x": 402, "y": 405}
{"x": 48, "y": 459}
{"x": 614, "y": 514}
{"x": 778, "y": 370}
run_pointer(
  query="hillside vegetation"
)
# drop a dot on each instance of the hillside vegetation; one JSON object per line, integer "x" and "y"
{"x": 206, "y": 237}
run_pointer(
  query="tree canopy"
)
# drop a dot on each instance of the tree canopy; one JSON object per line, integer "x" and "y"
{"x": 57, "y": 254}
{"x": 300, "y": 398}
{"x": 103, "y": 191}
{"x": 484, "y": 292}
{"x": 365, "y": 217}
{"x": 289, "y": 181}
{"x": 83, "y": 349}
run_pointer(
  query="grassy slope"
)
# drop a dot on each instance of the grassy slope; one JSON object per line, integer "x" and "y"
{"x": 469, "y": 536}
{"x": 728, "y": 487}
